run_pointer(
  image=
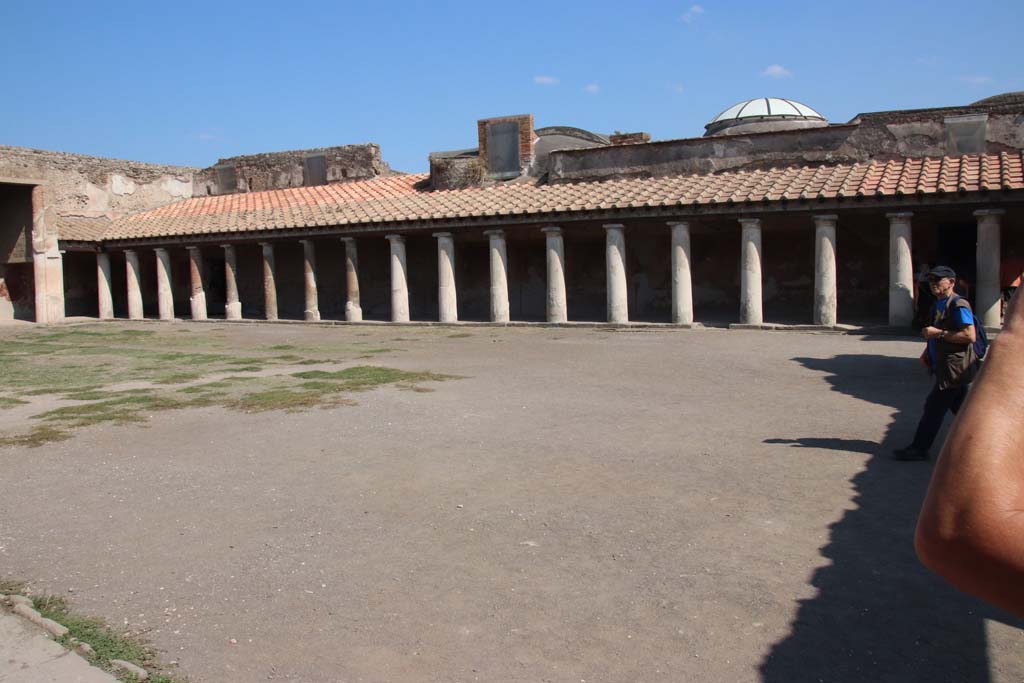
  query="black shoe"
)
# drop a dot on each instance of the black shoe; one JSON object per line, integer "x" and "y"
{"x": 910, "y": 453}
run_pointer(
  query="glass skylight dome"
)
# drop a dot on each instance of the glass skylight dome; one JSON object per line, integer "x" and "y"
{"x": 764, "y": 114}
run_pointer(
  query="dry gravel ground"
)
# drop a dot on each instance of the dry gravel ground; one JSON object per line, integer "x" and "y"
{"x": 583, "y": 505}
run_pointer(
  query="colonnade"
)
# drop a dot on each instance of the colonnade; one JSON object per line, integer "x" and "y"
{"x": 901, "y": 275}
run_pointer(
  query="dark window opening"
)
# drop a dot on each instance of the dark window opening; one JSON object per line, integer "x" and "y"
{"x": 503, "y": 149}
{"x": 227, "y": 178}
{"x": 966, "y": 134}
{"x": 314, "y": 170}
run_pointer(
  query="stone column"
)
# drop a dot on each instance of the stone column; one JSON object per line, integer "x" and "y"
{"x": 447, "y": 297}
{"x": 825, "y": 296}
{"x": 232, "y": 306}
{"x": 556, "y": 306}
{"x": 164, "y": 291}
{"x": 901, "y": 270}
{"x": 750, "y": 274}
{"x": 312, "y": 310}
{"x": 353, "y": 310}
{"x": 988, "y": 297}
{"x": 682, "y": 283}
{"x": 615, "y": 265}
{"x": 197, "y": 291}
{"x": 399, "y": 283}
{"x": 132, "y": 279}
{"x": 106, "y": 298}
{"x": 499, "y": 276}
{"x": 269, "y": 283}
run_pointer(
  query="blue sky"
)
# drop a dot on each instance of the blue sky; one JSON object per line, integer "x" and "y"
{"x": 190, "y": 82}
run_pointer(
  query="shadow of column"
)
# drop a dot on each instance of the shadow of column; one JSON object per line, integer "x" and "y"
{"x": 879, "y": 615}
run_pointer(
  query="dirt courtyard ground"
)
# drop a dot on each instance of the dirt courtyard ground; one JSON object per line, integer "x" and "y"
{"x": 568, "y": 505}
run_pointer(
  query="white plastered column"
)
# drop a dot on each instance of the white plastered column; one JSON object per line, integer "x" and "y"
{"x": 825, "y": 284}
{"x": 132, "y": 280}
{"x": 269, "y": 282}
{"x": 751, "y": 312}
{"x": 164, "y": 291}
{"x": 557, "y": 311}
{"x": 901, "y": 269}
{"x": 682, "y": 278}
{"x": 499, "y": 276}
{"x": 232, "y": 305}
{"x": 615, "y": 266}
{"x": 104, "y": 293}
{"x": 988, "y": 298}
{"x": 447, "y": 295}
{"x": 353, "y": 309}
{"x": 399, "y": 280}
{"x": 312, "y": 310}
{"x": 197, "y": 287}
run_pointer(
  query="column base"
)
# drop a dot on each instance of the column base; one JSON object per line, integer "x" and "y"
{"x": 353, "y": 314}
{"x": 311, "y": 316}
{"x": 233, "y": 311}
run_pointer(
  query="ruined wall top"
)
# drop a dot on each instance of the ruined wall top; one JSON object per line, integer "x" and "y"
{"x": 294, "y": 168}
{"x": 77, "y": 186}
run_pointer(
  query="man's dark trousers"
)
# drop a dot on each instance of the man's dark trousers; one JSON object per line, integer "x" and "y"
{"x": 935, "y": 407}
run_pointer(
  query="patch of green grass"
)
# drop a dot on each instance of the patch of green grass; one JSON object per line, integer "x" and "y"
{"x": 98, "y": 395}
{"x": 362, "y": 377}
{"x": 309, "y": 361}
{"x": 288, "y": 357}
{"x": 38, "y": 436}
{"x": 107, "y": 644}
{"x": 277, "y": 399}
{"x": 460, "y": 335}
{"x": 118, "y": 410}
{"x": 10, "y": 402}
{"x": 179, "y": 378}
{"x": 282, "y": 347}
{"x": 247, "y": 368}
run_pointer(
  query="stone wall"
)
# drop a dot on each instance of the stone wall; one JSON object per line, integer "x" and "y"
{"x": 66, "y": 188}
{"x": 279, "y": 170}
{"x": 883, "y": 136}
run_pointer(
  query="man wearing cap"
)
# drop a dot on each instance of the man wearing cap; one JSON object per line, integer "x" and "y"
{"x": 949, "y": 356}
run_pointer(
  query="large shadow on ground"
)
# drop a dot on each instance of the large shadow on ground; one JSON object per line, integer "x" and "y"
{"x": 879, "y": 615}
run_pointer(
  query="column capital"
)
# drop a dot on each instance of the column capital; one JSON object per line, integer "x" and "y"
{"x": 160, "y": 249}
{"x": 825, "y": 217}
{"x": 441, "y": 235}
{"x": 129, "y": 251}
{"x": 750, "y": 222}
{"x": 347, "y": 239}
{"x": 673, "y": 224}
{"x": 899, "y": 215}
{"x": 265, "y": 244}
{"x": 193, "y": 247}
{"x": 494, "y": 233}
{"x": 981, "y": 213}
{"x": 227, "y": 246}
{"x": 613, "y": 226}
{"x": 305, "y": 240}
{"x": 395, "y": 238}
{"x": 552, "y": 229}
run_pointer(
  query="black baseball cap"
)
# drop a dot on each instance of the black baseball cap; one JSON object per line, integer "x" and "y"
{"x": 940, "y": 272}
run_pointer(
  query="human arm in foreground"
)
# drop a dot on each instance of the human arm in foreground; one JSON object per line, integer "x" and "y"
{"x": 971, "y": 528}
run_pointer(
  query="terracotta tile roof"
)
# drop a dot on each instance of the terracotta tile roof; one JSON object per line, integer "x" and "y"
{"x": 82, "y": 229}
{"x": 397, "y": 199}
